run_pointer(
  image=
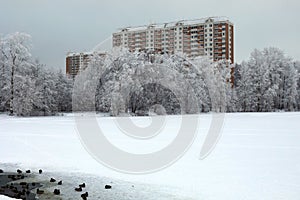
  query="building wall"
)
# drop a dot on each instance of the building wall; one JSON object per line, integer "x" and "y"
{"x": 76, "y": 62}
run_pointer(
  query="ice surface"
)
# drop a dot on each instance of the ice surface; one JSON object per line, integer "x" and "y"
{"x": 257, "y": 157}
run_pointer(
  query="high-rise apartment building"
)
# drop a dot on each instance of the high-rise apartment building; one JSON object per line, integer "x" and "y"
{"x": 213, "y": 36}
{"x": 76, "y": 62}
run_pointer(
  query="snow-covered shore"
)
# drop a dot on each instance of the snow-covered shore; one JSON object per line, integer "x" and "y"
{"x": 5, "y": 198}
{"x": 257, "y": 156}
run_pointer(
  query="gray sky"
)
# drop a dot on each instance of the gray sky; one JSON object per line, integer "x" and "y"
{"x": 60, "y": 26}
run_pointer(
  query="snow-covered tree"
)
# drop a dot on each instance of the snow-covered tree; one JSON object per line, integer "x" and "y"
{"x": 297, "y": 68}
{"x": 4, "y": 80}
{"x": 245, "y": 88}
{"x": 134, "y": 82}
{"x": 27, "y": 87}
{"x": 63, "y": 89}
{"x": 216, "y": 89}
{"x": 268, "y": 82}
{"x": 23, "y": 95}
{"x": 17, "y": 59}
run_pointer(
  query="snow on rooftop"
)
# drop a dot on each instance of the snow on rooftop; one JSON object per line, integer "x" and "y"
{"x": 175, "y": 23}
{"x": 82, "y": 53}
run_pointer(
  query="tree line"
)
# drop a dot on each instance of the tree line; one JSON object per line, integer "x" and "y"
{"x": 140, "y": 83}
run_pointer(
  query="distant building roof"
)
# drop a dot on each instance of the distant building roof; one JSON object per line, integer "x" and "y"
{"x": 83, "y": 53}
{"x": 172, "y": 24}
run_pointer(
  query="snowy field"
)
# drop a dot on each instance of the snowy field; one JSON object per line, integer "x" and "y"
{"x": 257, "y": 157}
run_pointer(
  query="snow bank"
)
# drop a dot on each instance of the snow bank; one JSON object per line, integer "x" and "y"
{"x": 5, "y": 198}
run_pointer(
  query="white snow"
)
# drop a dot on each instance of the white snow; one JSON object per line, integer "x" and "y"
{"x": 257, "y": 157}
{"x": 5, "y": 198}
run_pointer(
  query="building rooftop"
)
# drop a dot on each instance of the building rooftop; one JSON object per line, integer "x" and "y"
{"x": 84, "y": 53}
{"x": 172, "y": 24}
{"x": 78, "y": 53}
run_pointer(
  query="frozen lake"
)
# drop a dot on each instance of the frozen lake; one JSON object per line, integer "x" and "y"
{"x": 257, "y": 157}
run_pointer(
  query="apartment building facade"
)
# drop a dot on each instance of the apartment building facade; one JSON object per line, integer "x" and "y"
{"x": 76, "y": 62}
{"x": 213, "y": 36}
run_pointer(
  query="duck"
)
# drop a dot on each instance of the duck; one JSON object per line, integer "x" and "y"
{"x": 82, "y": 185}
{"x": 107, "y": 186}
{"x": 38, "y": 191}
{"x": 56, "y": 191}
{"x": 52, "y": 180}
{"x": 84, "y": 195}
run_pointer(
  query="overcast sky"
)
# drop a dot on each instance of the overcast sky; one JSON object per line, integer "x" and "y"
{"x": 60, "y": 26}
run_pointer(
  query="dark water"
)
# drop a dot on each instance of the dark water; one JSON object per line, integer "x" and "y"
{"x": 13, "y": 185}
{"x": 95, "y": 186}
